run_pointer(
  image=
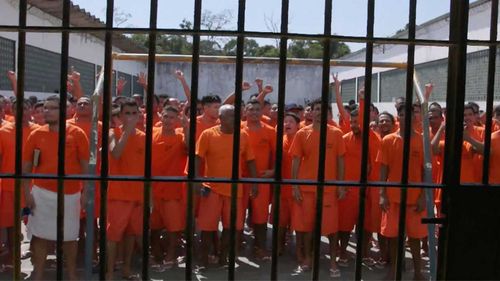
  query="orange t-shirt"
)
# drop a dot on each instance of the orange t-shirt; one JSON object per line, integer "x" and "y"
{"x": 494, "y": 158}
{"x": 353, "y": 155}
{"x": 391, "y": 155}
{"x": 467, "y": 170}
{"x": 216, "y": 148}
{"x": 44, "y": 140}
{"x": 168, "y": 158}
{"x": 130, "y": 163}
{"x": 286, "y": 165}
{"x": 263, "y": 143}
{"x": 87, "y": 127}
{"x": 306, "y": 147}
{"x": 8, "y": 151}
{"x": 202, "y": 125}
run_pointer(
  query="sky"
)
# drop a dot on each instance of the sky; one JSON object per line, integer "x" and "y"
{"x": 305, "y": 16}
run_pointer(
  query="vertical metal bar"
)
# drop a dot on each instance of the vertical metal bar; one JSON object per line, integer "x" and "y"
{"x": 240, "y": 44}
{"x": 407, "y": 139}
{"x": 278, "y": 176}
{"x": 379, "y": 87}
{"x": 106, "y": 104}
{"x": 149, "y": 131}
{"x": 325, "y": 90}
{"x": 21, "y": 52}
{"x": 490, "y": 91}
{"x": 195, "y": 67}
{"x": 457, "y": 63}
{"x": 365, "y": 141}
{"x": 62, "y": 139}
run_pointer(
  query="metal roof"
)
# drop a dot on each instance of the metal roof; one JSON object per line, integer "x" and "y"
{"x": 81, "y": 18}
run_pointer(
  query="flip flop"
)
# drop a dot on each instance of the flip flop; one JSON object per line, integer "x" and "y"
{"x": 334, "y": 273}
{"x": 132, "y": 277}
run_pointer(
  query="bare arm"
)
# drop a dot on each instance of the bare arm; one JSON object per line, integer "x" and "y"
{"x": 338, "y": 98}
{"x": 477, "y": 146}
{"x": 437, "y": 138}
{"x": 187, "y": 92}
{"x": 231, "y": 97}
{"x": 295, "y": 174}
{"x": 74, "y": 77}
{"x": 384, "y": 201}
{"x": 26, "y": 183}
{"x": 13, "y": 81}
{"x": 340, "y": 176}
{"x": 262, "y": 94}
{"x": 116, "y": 147}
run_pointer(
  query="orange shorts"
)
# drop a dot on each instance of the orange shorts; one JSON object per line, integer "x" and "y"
{"x": 169, "y": 214}
{"x": 373, "y": 212}
{"x": 260, "y": 204}
{"x": 6, "y": 209}
{"x": 286, "y": 205}
{"x": 414, "y": 228}
{"x": 304, "y": 213}
{"x": 124, "y": 218}
{"x": 349, "y": 210}
{"x": 214, "y": 208}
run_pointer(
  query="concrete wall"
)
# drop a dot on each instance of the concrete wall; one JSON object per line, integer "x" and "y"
{"x": 303, "y": 82}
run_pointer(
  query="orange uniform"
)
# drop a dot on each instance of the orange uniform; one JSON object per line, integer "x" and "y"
{"x": 169, "y": 158}
{"x": 215, "y": 148}
{"x": 7, "y": 154}
{"x": 125, "y": 199}
{"x": 391, "y": 155}
{"x": 286, "y": 199}
{"x": 348, "y": 207}
{"x": 494, "y": 156}
{"x": 305, "y": 146}
{"x": 45, "y": 141}
{"x": 263, "y": 143}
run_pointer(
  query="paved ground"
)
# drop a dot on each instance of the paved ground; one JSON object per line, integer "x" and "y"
{"x": 248, "y": 268}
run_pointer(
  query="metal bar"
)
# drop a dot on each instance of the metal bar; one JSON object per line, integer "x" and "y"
{"x": 62, "y": 140}
{"x": 236, "y": 141}
{"x": 106, "y": 104}
{"x": 429, "y": 193}
{"x": 232, "y": 33}
{"x": 365, "y": 142}
{"x": 325, "y": 91}
{"x": 21, "y": 51}
{"x": 407, "y": 140}
{"x": 195, "y": 67}
{"x": 93, "y": 141}
{"x": 457, "y": 62}
{"x": 252, "y": 60}
{"x": 490, "y": 91}
{"x": 149, "y": 136}
{"x": 278, "y": 175}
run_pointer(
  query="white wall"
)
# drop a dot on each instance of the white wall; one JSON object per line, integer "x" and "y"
{"x": 81, "y": 46}
{"x": 479, "y": 25}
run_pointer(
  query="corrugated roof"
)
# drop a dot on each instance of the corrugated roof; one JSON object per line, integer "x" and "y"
{"x": 81, "y": 18}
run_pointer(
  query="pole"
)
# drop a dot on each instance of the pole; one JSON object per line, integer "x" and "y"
{"x": 252, "y": 60}
{"x": 429, "y": 194}
{"x": 89, "y": 239}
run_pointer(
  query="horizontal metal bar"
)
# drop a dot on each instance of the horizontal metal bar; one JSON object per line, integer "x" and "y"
{"x": 256, "y": 34}
{"x": 241, "y": 180}
{"x": 253, "y": 60}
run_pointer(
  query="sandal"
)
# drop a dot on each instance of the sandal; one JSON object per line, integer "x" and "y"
{"x": 158, "y": 268}
{"x": 334, "y": 273}
{"x": 343, "y": 262}
{"x": 168, "y": 265}
{"x": 369, "y": 262}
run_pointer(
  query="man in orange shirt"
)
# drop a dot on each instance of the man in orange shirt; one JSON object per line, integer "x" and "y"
{"x": 390, "y": 158}
{"x": 125, "y": 199}
{"x": 494, "y": 156}
{"x": 291, "y": 125}
{"x": 214, "y": 147}
{"x": 7, "y": 160}
{"x": 39, "y": 157}
{"x": 473, "y": 137}
{"x": 305, "y": 151}
{"x": 262, "y": 139}
{"x": 169, "y": 157}
{"x": 496, "y": 119}
{"x": 348, "y": 207}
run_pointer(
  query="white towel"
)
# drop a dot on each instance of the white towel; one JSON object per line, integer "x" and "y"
{"x": 42, "y": 222}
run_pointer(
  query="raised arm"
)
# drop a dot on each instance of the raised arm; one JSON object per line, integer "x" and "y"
{"x": 13, "y": 81}
{"x": 263, "y": 93}
{"x": 437, "y": 138}
{"x": 187, "y": 92}
{"x": 338, "y": 98}
{"x": 230, "y": 98}
{"x": 74, "y": 78}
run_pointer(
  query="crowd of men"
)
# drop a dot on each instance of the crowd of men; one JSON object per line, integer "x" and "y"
{"x": 212, "y": 200}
